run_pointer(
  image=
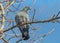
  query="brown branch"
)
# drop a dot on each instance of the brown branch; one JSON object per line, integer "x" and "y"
{"x": 43, "y": 21}
{"x": 9, "y": 4}
{"x": 8, "y": 20}
{"x": 5, "y": 41}
{"x": 3, "y": 20}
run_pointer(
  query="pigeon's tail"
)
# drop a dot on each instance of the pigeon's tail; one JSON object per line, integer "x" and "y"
{"x": 25, "y": 32}
{"x": 25, "y": 36}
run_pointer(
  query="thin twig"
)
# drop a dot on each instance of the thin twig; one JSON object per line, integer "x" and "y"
{"x": 5, "y": 41}
{"x": 34, "y": 15}
{"x": 9, "y": 4}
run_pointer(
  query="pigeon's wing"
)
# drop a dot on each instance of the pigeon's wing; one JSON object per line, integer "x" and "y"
{"x": 18, "y": 20}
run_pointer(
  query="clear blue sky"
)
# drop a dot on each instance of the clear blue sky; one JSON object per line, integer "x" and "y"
{"x": 45, "y": 9}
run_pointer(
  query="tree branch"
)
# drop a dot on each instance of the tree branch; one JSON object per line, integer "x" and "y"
{"x": 3, "y": 20}
{"x": 34, "y": 22}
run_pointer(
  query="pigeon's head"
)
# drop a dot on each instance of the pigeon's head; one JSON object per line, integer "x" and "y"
{"x": 26, "y": 8}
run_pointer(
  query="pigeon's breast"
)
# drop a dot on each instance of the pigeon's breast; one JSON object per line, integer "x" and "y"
{"x": 24, "y": 14}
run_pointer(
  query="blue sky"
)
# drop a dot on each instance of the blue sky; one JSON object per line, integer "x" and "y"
{"x": 45, "y": 9}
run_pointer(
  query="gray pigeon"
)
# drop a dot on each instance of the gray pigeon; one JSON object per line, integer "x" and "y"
{"x": 20, "y": 18}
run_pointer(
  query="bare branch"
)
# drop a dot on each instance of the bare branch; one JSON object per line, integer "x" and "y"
{"x": 3, "y": 20}
{"x": 43, "y": 21}
{"x": 9, "y": 4}
{"x": 5, "y": 40}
